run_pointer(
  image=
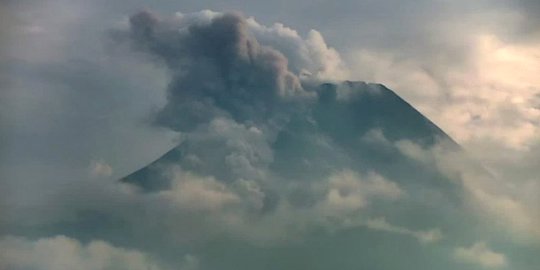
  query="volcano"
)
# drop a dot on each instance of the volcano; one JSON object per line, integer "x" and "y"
{"x": 351, "y": 124}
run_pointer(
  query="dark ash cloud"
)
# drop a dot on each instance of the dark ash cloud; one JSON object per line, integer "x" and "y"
{"x": 219, "y": 69}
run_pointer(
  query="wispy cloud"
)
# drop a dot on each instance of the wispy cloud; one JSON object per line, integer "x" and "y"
{"x": 479, "y": 253}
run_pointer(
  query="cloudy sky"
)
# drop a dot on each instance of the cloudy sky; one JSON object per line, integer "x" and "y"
{"x": 269, "y": 169}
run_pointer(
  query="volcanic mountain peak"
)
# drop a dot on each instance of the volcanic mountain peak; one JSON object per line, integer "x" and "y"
{"x": 349, "y": 125}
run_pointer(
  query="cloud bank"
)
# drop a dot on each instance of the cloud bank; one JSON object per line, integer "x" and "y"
{"x": 272, "y": 155}
{"x": 61, "y": 252}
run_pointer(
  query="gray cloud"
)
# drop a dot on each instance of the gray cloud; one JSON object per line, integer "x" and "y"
{"x": 264, "y": 160}
{"x": 241, "y": 77}
{"x": 529, "y": 22}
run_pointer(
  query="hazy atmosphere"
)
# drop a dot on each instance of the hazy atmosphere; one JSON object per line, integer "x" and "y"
{"x": 202, "y": 135}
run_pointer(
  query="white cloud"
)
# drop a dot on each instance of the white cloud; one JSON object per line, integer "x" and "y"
{"x": 480, "y": 254}
{"x": 424, "y": 237}
{"x": 194, "y": 193}
{"x": 100, "y": 168}
{"x": 504, "y": 209}
{"x": 310, "y": 56}
{"x": 488, "y": 101}
{"x": 64, "y": 253}
{"x": 347, "y": 191}
{"x": 340, "y": 202}
{"x": 489, "y": 97}
{"x": 491, "y": 197}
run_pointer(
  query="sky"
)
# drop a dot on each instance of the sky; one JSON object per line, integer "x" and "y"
{"x": 92, "y": 91}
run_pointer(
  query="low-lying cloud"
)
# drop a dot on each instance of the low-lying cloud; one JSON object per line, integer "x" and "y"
{"x": 273, "y": 154}
{"x": 63, "y": 253}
